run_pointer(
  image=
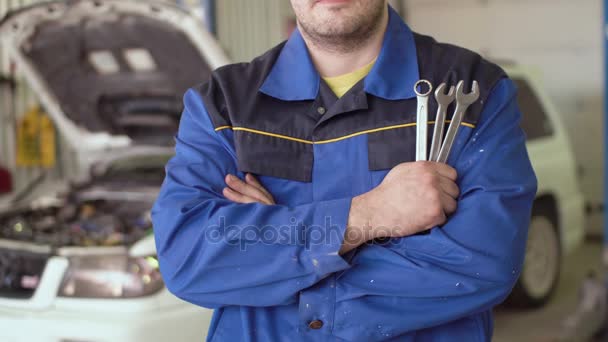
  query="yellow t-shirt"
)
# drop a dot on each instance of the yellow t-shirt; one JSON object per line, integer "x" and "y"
{"x": 341, "y": 84}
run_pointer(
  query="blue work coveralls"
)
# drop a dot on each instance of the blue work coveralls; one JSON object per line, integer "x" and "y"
{"x": 273, "y": 272}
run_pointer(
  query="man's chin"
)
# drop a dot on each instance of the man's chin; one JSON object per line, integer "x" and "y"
{"x": 333, "y": 3}
{"x": 333, "y": 34}
{"x": 334, "y": 25}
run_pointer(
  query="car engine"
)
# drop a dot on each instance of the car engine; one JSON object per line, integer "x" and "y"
{"x": 82, "y": 224}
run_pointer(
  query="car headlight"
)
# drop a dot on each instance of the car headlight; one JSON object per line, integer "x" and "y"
{"x": 111, "y": 276}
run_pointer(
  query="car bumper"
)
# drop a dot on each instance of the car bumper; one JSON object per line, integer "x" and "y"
{"x": 180, "y": 323}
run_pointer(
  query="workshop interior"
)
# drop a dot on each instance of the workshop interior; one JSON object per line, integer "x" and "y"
{"x": 91, "y": 95}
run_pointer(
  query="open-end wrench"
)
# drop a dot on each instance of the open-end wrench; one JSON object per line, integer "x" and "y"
{"x": 422, "y": 118}
{"x": 443, "y": 101}
{"x": 463, "y": 101}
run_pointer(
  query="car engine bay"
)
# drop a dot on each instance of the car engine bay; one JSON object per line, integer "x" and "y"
{"x": 110, "y": 210}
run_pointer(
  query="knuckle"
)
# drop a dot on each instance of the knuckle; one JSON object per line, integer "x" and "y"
{"x": 430, "y": 179}
{"x": 425, "y": 166}
{"x": 435, "y": 212}
{"x": 416, "y": 166}
{"x": 453, "y": 173}
{"x": 402, "y": 166}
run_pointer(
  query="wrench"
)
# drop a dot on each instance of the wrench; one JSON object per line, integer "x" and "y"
{"x": 463, "y": 101}
{"x": 443, "y": 100}
{"x": 422, "y": 118}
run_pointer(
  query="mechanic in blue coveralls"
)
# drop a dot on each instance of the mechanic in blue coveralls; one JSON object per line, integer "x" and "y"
{"x": 294, "y": 206}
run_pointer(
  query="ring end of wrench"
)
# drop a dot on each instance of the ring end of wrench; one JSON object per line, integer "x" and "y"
{"x": 420, "y": 93}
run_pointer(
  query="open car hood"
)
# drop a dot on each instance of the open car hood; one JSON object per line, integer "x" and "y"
{"x": 111, "y": 73}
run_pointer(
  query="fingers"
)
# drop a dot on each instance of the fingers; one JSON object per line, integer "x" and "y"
{"x": 238, "y": 197}
{"x": 449, "y": 204}
{"x": 449, "y": 187}
{"x": 446, "y": 171}
{"x": 250, "y": 179}
{"x": 246, "y": 191}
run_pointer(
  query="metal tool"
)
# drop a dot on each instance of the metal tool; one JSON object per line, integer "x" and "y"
{"x": 443, "y": 101}
{"x": 422, "y": 118}
{"x": 463, "y": 101}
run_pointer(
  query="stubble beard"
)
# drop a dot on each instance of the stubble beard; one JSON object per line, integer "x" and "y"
{"x": 353, "y": 33}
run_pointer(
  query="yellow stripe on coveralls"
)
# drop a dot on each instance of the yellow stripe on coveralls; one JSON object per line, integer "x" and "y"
{"x": 310, "y": 142}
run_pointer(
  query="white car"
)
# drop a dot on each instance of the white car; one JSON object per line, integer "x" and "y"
{"x": 81, "y": 266}
{"x": 558, "y": 220}
{"x": 78, "y": 263}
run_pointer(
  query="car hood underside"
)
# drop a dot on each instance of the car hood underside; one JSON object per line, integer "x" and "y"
{"x": 113, "y": 66}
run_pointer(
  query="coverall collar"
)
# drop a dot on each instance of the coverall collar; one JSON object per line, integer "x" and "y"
{"x": 295, "y": 78}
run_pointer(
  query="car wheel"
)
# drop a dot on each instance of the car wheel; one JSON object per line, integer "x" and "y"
{"x": 540, "y": 273}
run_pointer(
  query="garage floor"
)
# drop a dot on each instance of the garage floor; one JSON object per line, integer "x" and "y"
{"x": 542, "y": 325}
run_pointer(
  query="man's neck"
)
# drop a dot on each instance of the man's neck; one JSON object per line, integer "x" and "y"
{"x": 332, "y": 62}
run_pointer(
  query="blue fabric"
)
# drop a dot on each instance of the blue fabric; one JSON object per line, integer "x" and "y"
{"x": 434, "y": 287}
{"x": 294, "y": 77}
{"x": 270, "y": 270}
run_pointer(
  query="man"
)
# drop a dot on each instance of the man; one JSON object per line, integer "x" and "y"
{"x": 341, "y": 236}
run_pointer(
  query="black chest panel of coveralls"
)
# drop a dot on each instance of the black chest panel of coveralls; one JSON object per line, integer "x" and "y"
{"x": 275, "y": 138}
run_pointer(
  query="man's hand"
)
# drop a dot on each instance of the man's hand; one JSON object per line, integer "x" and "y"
{"x": 412, "y": 198}
{"x": 250, "y": 191}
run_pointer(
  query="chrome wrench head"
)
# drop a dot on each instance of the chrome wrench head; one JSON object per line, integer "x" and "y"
{"x": 421, "y": 93}
{"x": 443, "y": 100}
{"x": 422, "y": 117}
{"x": 467, "y": 99}
{"x": 463, "y": 101}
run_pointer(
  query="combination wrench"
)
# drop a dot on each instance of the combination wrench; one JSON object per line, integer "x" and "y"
{"x": 422, "y": 118}
{"x": 463, "y": 101}
{"x": 443, "y": 101}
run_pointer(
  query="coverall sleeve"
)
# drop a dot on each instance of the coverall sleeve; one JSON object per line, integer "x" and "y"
{"x": 468, "y": 265}
{"x": 214, "y": 252}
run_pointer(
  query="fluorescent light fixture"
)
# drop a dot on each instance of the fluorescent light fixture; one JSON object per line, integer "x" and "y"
{"x": 140, "y": 60}
{"x": 104, "y": 62}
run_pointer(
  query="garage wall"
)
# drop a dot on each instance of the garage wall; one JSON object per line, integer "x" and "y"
{"x": 247, "y": 29}
{"x": 563, "y": 38}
